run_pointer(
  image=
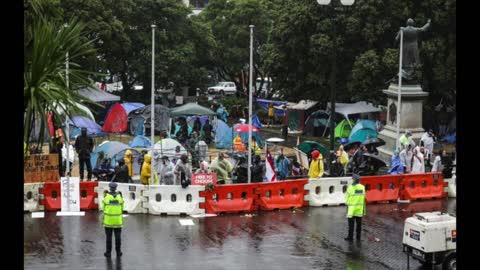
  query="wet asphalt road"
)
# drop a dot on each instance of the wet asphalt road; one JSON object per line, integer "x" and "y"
{"x": 307, "y": 238}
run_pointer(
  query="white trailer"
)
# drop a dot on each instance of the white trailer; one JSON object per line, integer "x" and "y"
{"x": 431, "y": 238}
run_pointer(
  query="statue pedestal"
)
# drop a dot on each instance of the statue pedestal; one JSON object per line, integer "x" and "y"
{"x": 411, "y": 116}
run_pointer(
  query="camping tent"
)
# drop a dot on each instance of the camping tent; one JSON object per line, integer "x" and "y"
{"x": 115, "y": 151}
{"x": 101, "y": 97}
{"x": 97, "y": 95}
{"x": 344, "y": 128}
{"x": 116, "y": 119}
{"x": 162, "y": 118}
{"x": 347, "y": 109}
{"x": 140, "y": 142}
{"x": 298, "y": 113}
{"x": 191, "y": 109}
{"x": 223, "y": 135}
{"x": 168, "y": 147}
{"x": 322, "y": 116}
{"x": 78, "y": 122}
{"x": 364, "y": 129}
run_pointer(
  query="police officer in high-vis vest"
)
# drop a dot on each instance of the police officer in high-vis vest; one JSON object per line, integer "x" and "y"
{"x": 355, "y": 199}
{"x": 112, "y": 218}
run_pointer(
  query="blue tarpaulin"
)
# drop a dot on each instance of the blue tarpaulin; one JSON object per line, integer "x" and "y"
{"x": 131, "y": 106}
{"x": 140, "y": 142}
{"x": 223, "y": 135}
{"x": 140, "y": 130}
{"x": 256, "y": 122}
{"x": 78, "y": 122}
{"x": 264, "y": 104}
{"x": 452, "y": 138}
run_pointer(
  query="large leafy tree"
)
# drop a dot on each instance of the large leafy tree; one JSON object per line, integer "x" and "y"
{"x": 45, "y": 86}
{"x": 229, "y": 22}
{"x": 123, "y": 33}
{"x": 301, "y": 46}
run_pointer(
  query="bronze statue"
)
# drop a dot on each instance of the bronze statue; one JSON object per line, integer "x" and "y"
{"x": 410, "y": 48}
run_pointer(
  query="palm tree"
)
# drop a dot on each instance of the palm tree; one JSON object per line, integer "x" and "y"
{"x": 45, "y": 84}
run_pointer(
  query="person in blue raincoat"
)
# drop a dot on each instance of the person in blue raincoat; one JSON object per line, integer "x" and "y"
{"x": 222, "y": 113}
{"x": 396, "y": 167}
{"x": 282, "y": 164}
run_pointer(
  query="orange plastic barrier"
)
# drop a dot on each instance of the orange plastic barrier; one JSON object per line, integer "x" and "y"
{"x": 422, "y": 186}
{"x": 281, "y": 195}
{"x": 88, "y": 195}
{"x": 381, "y": 188}
{"x": 53, "y": 201}
{"x": 51, "y": 194}
{"x": 229, "y": 199}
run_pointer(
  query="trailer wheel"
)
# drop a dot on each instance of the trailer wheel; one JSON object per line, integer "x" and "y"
{"x": 450, "y": 262}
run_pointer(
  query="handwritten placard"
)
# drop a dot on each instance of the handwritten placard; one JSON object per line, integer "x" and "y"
{"x": 204, "y": 178}
{"x": 40, "y": 168}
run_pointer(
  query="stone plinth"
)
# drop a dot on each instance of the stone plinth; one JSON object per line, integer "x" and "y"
{"x": 411, "y": 116}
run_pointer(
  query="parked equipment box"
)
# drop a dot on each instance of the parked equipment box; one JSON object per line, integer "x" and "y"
{"x": 431, "y": 237}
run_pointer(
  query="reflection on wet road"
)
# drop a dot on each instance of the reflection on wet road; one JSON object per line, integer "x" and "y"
{"x": 307, "y": 238}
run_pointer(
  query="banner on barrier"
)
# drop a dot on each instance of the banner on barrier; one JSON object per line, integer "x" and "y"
{"x": 40, "y": 168}
{"x": 204, "y": 178}
{"x": 73, "y": 204}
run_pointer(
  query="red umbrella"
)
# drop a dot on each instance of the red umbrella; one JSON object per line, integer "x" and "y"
{"x": 244, "y": 128}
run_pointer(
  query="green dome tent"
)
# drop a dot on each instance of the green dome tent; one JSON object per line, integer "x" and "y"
{"x": 343, "y": 129}
{"x": 363, "y": 130}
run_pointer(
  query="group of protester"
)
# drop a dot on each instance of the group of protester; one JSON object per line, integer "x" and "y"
{"x": 199, "y": 132}
{"x": 413, "y": 158}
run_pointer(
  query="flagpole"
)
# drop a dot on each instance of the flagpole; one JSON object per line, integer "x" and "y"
{"x": 399, "y": 101}
{"x": 250, "y": 79}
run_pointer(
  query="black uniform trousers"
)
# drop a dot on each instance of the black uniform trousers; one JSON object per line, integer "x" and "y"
{"x": 351, "y": 221}
{"x": 89, "y": 168}
{"x": 118, "y": 239}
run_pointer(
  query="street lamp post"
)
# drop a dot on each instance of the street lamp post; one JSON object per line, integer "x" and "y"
{"x": 67, "y": 138}
{"x": 250, "y": 80}
{"x": 152, "y": 108}
{"x": 333, "y": 80}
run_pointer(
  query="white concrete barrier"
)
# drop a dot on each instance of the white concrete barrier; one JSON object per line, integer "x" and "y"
{"x": 32, "y": 197}
{"x": 174, "y": 200}
{"x": 452, "y": 186}
{"x": 327, "y": 191}
{"x": 133, "y": 196}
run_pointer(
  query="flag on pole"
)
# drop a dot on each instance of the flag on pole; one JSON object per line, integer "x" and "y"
{"x": 270, "y": 168}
